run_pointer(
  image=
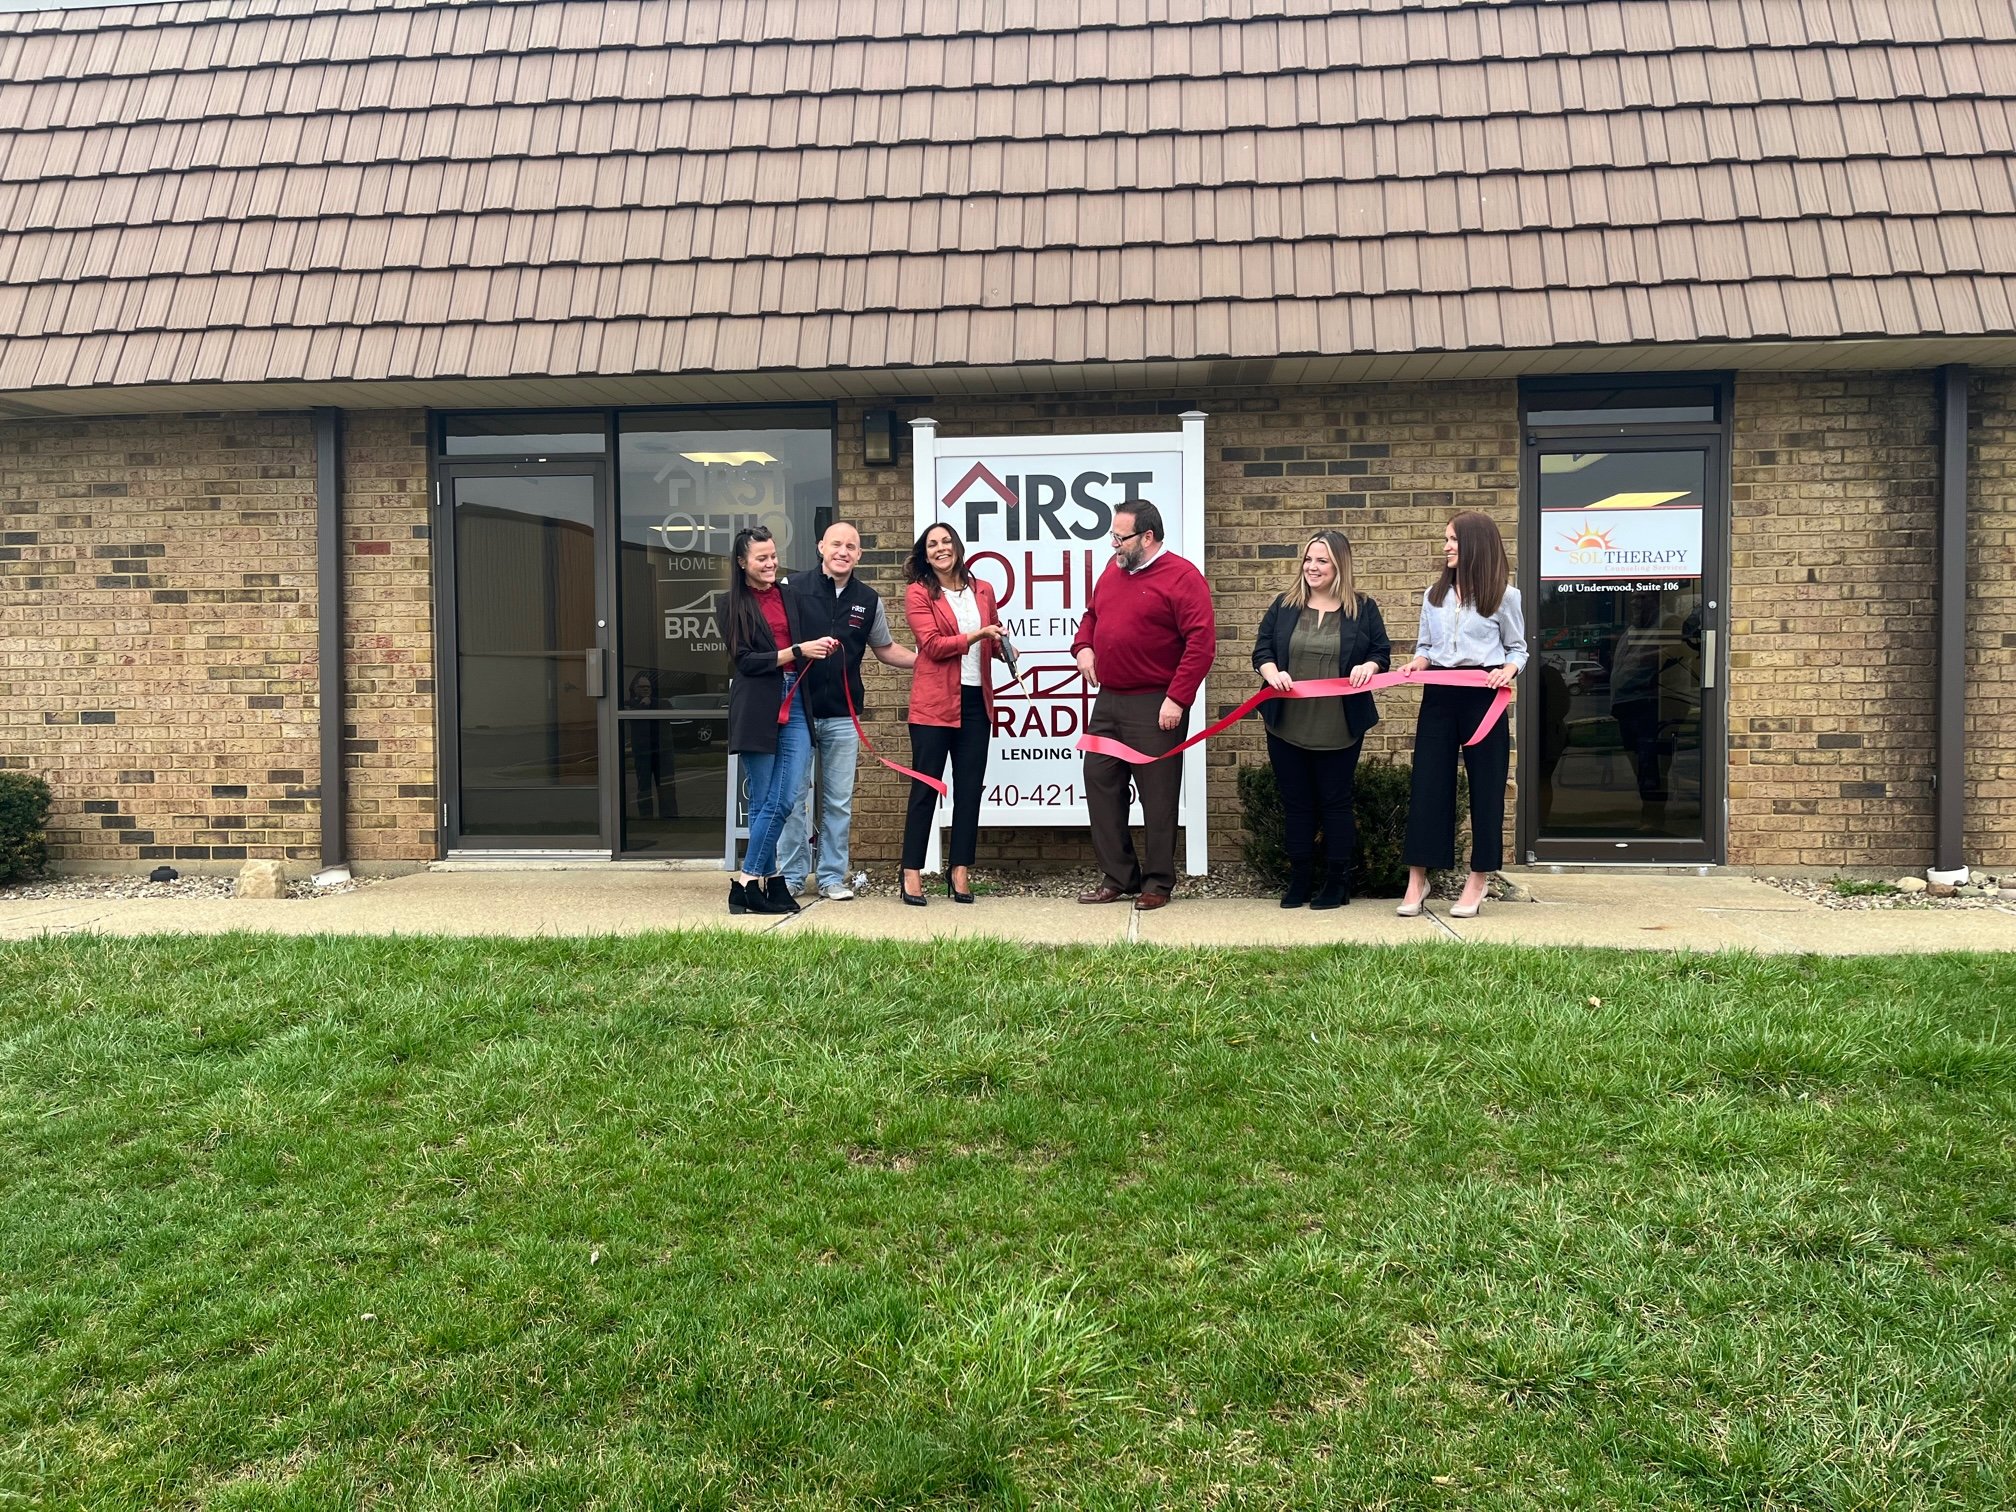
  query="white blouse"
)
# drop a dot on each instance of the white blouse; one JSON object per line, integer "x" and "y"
{"x": 1455, "y": 635}
{"x": 966, "y": 610}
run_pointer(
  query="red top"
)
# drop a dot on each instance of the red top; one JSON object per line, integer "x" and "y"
{"x": 771, "y": 602}
{"x": 1151, "y": 631}
{"x": 934, "y": 682}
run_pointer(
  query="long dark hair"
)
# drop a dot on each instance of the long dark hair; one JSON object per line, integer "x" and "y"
{"x": 746, "y": 625}
{"x": 1482, "y": 572}
{"x": 916, "y": 569}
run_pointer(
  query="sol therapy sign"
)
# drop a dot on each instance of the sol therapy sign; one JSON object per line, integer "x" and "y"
{"x": 1036, "y": 513}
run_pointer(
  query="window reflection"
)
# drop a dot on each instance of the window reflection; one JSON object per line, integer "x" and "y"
{"x": 688, "y": 481}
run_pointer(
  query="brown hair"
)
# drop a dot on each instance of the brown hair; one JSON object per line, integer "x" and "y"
{"x": 1482, "y": 573}
{"x": 918, "y": 569}
{"x": 1340, "y": 558}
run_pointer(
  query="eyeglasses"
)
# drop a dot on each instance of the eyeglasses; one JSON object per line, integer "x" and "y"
{"x": 1120, "y": 540}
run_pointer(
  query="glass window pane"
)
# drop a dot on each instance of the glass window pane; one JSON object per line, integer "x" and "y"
{"x": 1621, "y": 404}
{"x": 522, "y": 434}
{"x": 524, "y": 625}
{"x": 689, "y": 481}
{"x": 1617, "y": 634}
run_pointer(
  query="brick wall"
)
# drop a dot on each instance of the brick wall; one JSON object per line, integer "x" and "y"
{"x": 1991, "y": 626}
{"x": 388, "y": 639}
{"x": 1832, "y": 584}
{"x": 1386, "y": 464}
{"x": 157, "y": 601}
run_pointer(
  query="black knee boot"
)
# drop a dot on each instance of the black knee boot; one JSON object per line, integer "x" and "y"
{"x": 1298, "y": 885}
{"x": 1336, "y": 887}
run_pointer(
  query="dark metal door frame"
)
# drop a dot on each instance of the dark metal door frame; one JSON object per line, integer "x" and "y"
{"x": 448, "y": 697}
{"x": 1711, "y": 849}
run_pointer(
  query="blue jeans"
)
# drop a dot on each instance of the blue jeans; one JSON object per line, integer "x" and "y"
{"x": 774, "y": 779}
{"x": 839, "y": 751}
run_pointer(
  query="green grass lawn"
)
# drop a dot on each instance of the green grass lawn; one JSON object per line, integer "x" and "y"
{"x": 705, "y": 1221}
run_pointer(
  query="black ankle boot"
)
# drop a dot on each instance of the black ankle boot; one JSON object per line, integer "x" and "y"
{"x": 738, "y": 898}
{"x": 1298, "y": 885}
{"x": 1336, "y": 888}
{"x": 778, "y": 896}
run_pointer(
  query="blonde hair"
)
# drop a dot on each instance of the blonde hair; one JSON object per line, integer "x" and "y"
{"x": 1340, "y": 558}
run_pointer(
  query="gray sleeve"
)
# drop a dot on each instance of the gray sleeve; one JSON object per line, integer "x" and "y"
{"x": 878, "y": 633}
{"x": 1512, "y": 628}
{"x": 1424, "y": 635}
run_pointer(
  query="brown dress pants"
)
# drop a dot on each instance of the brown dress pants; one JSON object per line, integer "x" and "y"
{"x": 1131, "y": 717}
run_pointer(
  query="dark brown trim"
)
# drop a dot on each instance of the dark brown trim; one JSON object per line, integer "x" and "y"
{"x": 1949, "y": 780}
{"x": 329, "y": 623}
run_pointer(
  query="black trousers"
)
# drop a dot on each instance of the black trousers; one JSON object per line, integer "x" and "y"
{"x": 1133, "y": 718}
{"x": 1317, "y": 786}
{"x": 967, "y": 746}
{"x": 1448, "y": 717}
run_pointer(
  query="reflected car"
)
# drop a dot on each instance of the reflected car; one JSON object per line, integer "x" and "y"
{"x": 1583, "y": 675}
{"x": 705, "y": 721}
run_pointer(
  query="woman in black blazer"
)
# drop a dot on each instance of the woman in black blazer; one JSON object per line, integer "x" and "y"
{"x": 769, "y": 646}
{"x": 1321, "y": 627}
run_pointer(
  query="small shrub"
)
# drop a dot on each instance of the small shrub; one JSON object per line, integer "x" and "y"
{"x": 24, "y": 810}
{"x": 1382, "y": 793}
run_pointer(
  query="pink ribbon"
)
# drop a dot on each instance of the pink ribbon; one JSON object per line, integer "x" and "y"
{"x": 1319, "y": 687}
{"x": 936, "y": 785}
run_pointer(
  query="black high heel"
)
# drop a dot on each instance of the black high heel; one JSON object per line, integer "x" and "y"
{"x": 953, "y": 893}
{"x": 916, "y": 899}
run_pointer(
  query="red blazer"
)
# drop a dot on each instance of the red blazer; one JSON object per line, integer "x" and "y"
{"x": 934, "y": 684}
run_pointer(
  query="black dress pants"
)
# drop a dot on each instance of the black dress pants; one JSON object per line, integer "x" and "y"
{"x": 1317, "y": 786}
{"x": 967, "y": 746}
{"x": 1448, "y": 718}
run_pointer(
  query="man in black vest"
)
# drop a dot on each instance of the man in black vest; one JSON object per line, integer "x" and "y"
{"x": 835, "y": 603}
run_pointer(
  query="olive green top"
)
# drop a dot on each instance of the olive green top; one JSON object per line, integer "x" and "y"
{"x": 1315, "y": 724}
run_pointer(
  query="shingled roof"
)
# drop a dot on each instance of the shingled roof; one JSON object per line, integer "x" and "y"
{"x": 825, "y": 195}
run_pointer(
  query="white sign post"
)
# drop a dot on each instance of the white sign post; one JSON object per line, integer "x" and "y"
{"x": 1036, "y": 514}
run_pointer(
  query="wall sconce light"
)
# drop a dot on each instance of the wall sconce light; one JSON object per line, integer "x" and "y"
{"x": 878, "y": 438}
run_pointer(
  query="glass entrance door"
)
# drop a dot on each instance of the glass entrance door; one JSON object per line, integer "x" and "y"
{"x": 526, "y": 659}
{"x": 1623, "y": 752}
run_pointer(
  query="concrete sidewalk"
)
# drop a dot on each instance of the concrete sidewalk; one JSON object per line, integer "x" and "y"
{"x": 1630, "y": 912}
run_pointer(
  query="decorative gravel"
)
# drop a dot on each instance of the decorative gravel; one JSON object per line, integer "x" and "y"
{"x": 1232, "y": 879}
{"x": 88, "y": 888}
{"x": 1980, "y": 895}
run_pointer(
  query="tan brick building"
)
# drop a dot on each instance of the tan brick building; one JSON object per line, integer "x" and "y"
{"x": 503, "y": 300}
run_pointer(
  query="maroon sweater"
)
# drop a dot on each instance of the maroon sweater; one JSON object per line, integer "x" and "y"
{"x": 1151, "y": 631}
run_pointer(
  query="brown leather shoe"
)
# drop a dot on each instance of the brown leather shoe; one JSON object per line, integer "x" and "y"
{"x": 1150, "y": 900}
{"x": 1105, "y": 892}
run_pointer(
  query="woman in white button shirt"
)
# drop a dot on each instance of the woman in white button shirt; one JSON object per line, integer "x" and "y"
{"x": 1470, "y": 618}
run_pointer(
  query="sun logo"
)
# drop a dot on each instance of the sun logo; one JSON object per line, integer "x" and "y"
{"x": 1585, "y": 537}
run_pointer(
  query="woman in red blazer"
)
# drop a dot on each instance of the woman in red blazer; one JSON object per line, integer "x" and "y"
{"x": 953, "y": 616}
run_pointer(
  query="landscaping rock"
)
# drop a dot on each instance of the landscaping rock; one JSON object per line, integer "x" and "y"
{"x": 1941, "y": 890}
{"x": 1911, "y": 884}
{"x": 260, "y": 879}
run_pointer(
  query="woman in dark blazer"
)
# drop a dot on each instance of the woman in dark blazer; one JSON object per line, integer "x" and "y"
{"x": 1321, "y": 627}
{"x": 769, "y": 647}
{"x": 954, "y": 617}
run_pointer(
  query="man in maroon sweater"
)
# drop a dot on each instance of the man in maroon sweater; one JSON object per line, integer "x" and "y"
{"x": 1145, "y": 643}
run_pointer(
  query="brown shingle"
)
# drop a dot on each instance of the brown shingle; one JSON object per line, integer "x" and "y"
{"x": 701, "y": 184}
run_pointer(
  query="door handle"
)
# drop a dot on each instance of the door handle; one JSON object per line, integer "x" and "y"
{"x": 1707, "y": 659}
{"x": 594, "y": 672}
